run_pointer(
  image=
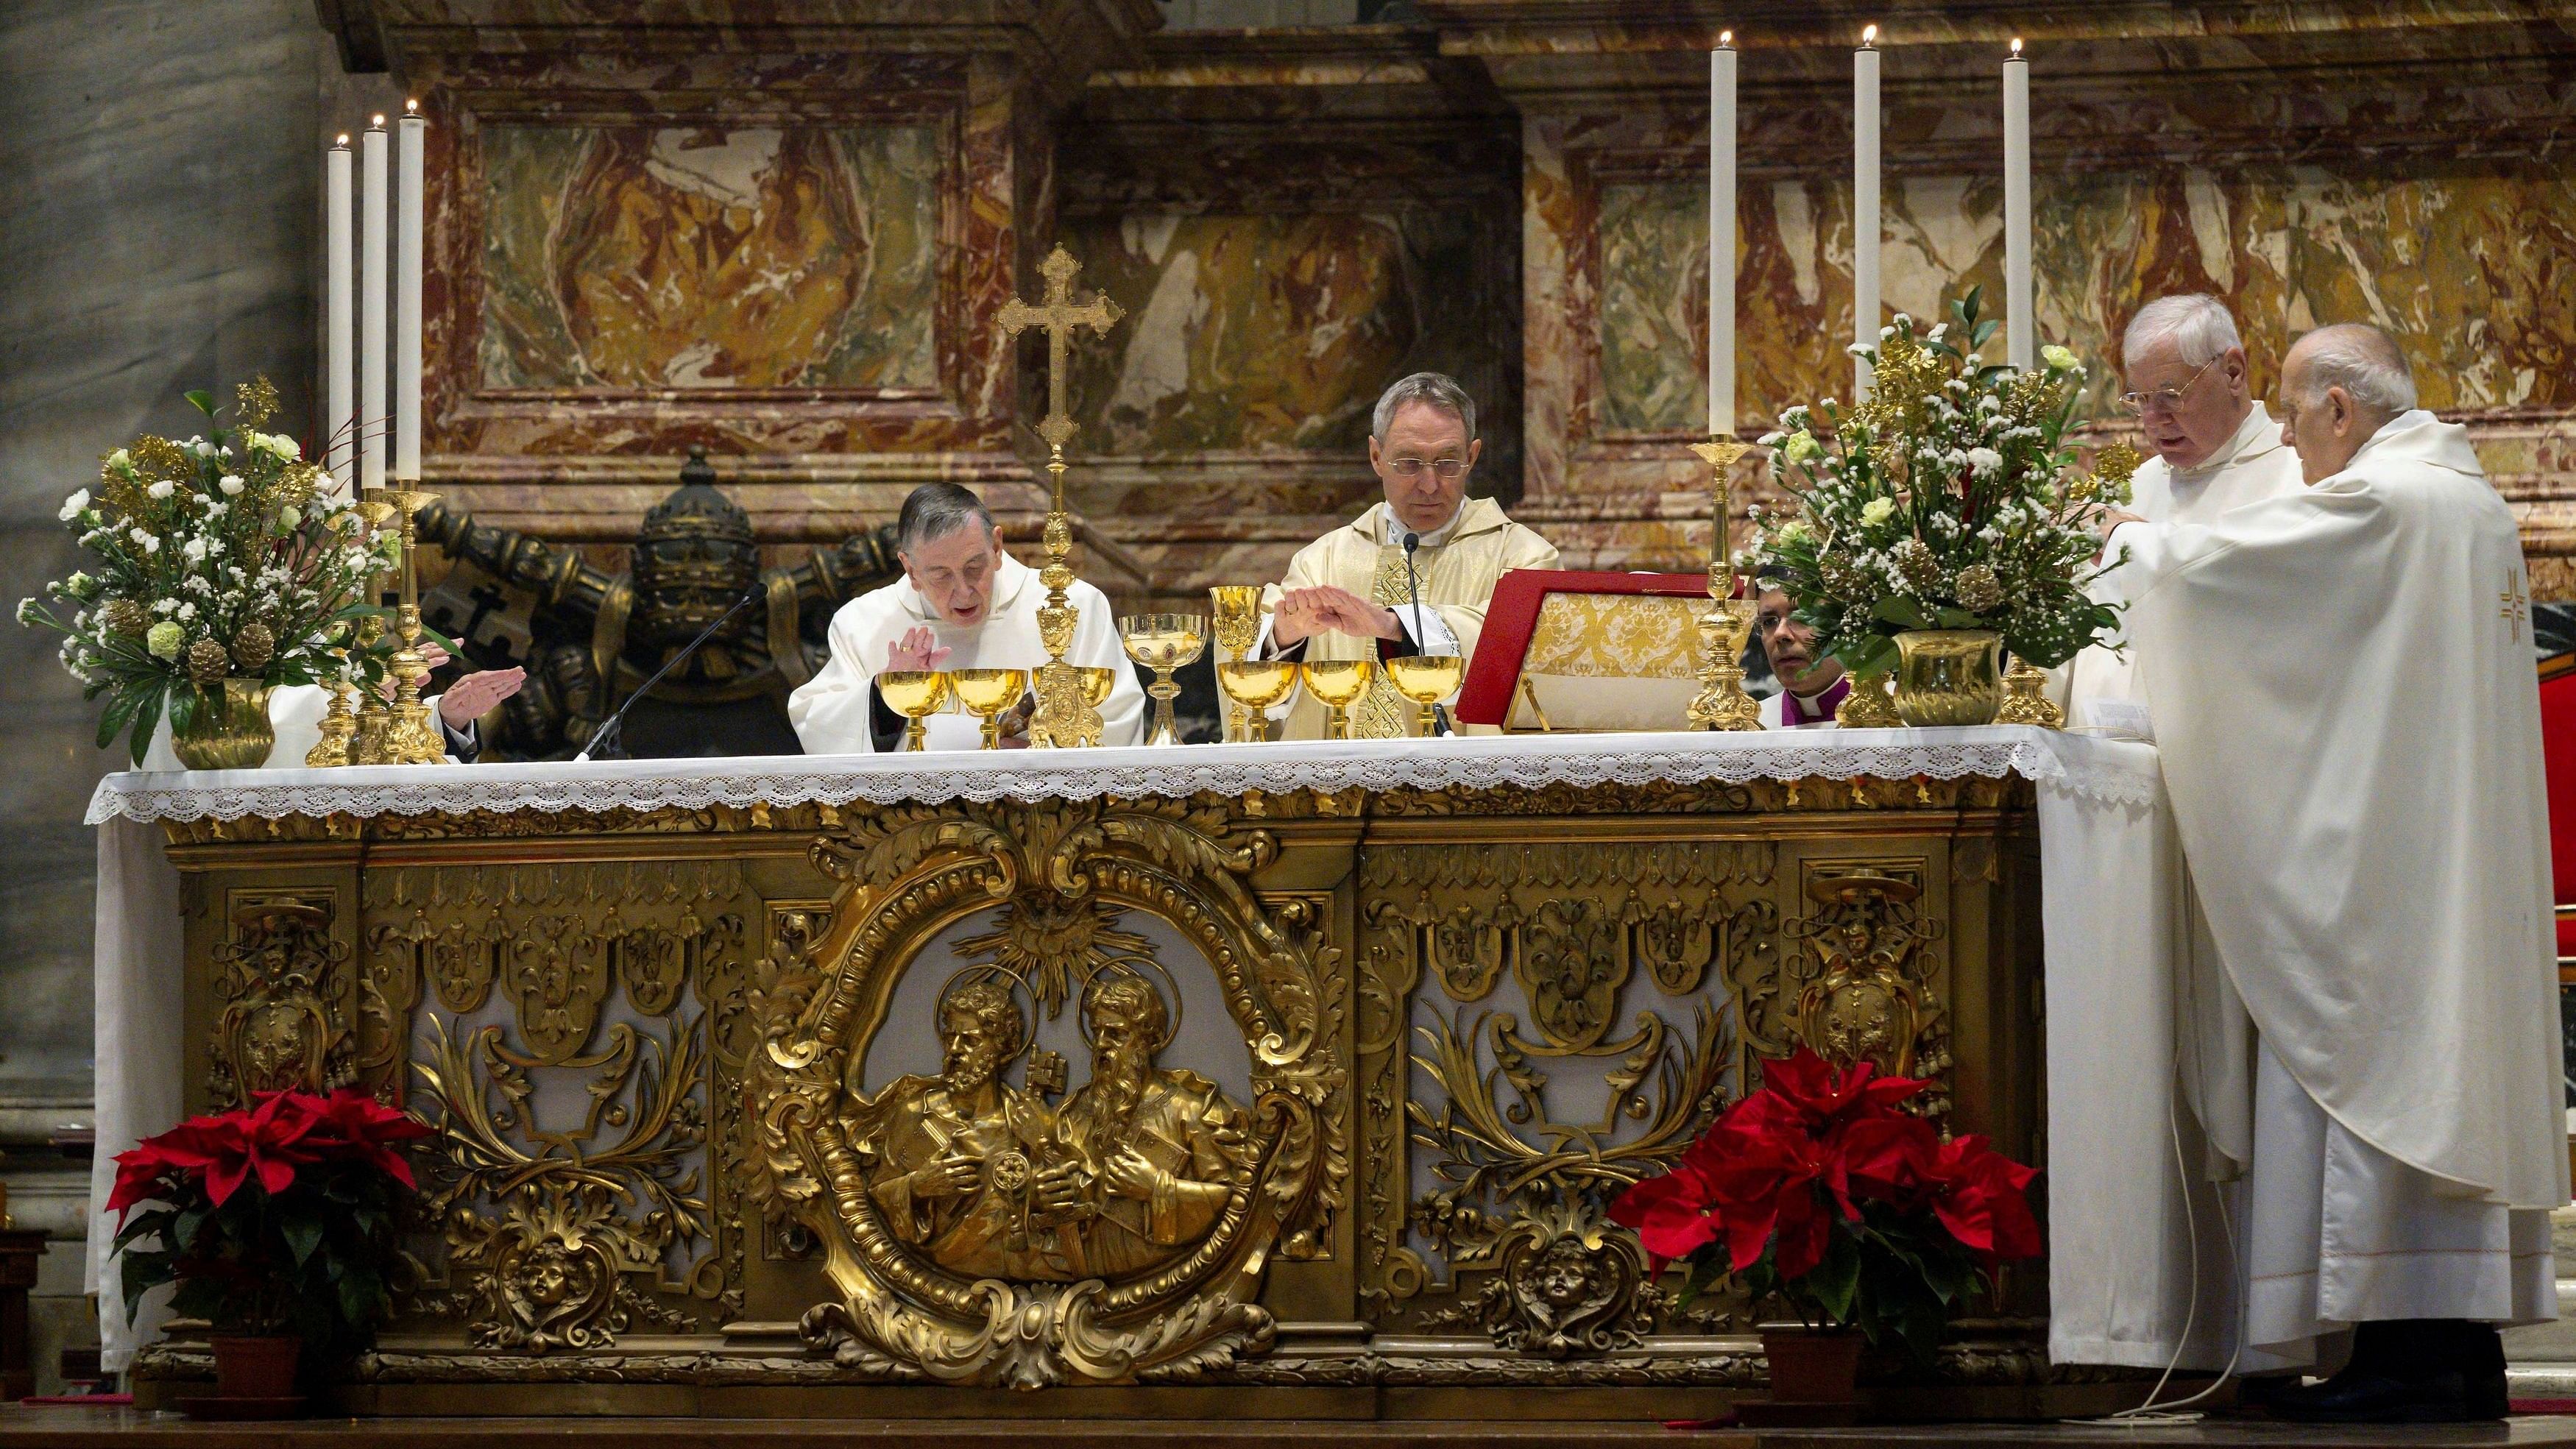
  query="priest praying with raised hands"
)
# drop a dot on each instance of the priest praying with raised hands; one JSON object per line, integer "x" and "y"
{"x": 1353, "y": 593}
{"x": 2342, "y": 685}
{"x": 962, "y": 603}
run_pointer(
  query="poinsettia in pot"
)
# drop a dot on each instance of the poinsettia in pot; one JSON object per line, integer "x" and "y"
{"x": 1822, "y": 1193}
{"x": 276, "y": 1222}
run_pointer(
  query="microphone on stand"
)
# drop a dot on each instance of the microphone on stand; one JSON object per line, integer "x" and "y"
{"x": 1412, "y": 541}
{"x": 605, "y": 737}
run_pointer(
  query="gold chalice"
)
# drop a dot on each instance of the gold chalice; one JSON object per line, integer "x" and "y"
{"x": 989, "y": 694}
{"x": 1097, "y": 681}
{"x": 1163, "y": 643}
{"x": 1236, "y": 621}
{"x": 1427, "y": 679}
{"x": 1339, "y": 683}
{"x": 916, "y": 694}
{"x": 1254, "y": 685}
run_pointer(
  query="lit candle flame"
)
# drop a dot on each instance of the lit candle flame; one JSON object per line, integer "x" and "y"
{"x": 1869, "y": 35}
{"x": 412, "y": 107}
{"x": 377, "y": 124}
{"x": 2016, "y": 50}
{"x": 1726, "y": 38}
{"x": 343, "y": 143}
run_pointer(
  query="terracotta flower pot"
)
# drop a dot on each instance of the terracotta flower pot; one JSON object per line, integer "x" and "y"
{"x": 1810, "y": 1366}
{"x": 260, "y": 1366}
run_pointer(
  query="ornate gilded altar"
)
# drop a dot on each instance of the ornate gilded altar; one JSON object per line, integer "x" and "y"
{"x": 847, "y": 1089}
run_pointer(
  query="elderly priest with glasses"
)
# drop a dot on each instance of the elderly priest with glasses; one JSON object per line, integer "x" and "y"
{"x": 962, "y": 603}
{"x": 1352, "y": 593}
{"x": 2214, "y": 448}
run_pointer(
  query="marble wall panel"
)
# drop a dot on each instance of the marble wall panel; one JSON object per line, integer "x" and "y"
{"x": 702, "y": 257}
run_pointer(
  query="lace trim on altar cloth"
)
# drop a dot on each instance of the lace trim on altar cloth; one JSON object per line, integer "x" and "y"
{"x": 2090, "y": 767}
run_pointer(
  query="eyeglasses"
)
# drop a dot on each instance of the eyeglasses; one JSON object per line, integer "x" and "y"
{"x": 1444, "y": 468}
{"x": 2166, "y": 399}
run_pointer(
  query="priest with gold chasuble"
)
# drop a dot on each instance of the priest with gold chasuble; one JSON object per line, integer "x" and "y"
{"x": 1348, "y": 595}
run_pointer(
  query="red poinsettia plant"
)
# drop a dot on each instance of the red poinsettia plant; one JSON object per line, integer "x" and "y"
{"x": 1822, "y": 1191}
{"x": 275, "y": 1218}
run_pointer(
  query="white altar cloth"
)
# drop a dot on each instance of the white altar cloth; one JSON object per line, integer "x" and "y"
{"x": 2109, "y": 878}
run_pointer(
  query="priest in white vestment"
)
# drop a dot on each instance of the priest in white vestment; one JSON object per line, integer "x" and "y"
{"x": 962, "y": 603}
{"x": 2342, "y": 685}
{"x": 2214, "y": 448}
{"x": 1360, "y": 592}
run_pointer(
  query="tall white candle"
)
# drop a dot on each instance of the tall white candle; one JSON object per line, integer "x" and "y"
{"x": 411, "y": 139}
{"x": 371, "y": 306}
{"x": 2021, "y": 301}
{"x": 1865, "y": 209}
{"x": 340, "y": 320}
{"x": 1721, "y": 236}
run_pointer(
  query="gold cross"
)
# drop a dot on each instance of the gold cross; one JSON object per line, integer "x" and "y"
{"x": 1059, "y": 316}
{"x": 2516, "y": 605}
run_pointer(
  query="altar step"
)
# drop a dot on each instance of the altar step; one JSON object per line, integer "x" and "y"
{"x": 65, "y": 1428}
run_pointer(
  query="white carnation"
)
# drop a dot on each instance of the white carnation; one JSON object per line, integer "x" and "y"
{"x": 161, "y": 488}
{"x": 231, "y": 485}
{"x": 73, "y": 505}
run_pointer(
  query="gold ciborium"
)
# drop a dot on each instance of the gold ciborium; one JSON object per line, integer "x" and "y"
{"x": 989, "y": 694}
{"x": 1163, "y": 643}
{"x": 1427, "y": 679}
{"x": 1255, "y": 685}
{"x": 1236, "y": 622}
{"x": 1339, "y": 683}
{"x": 916, "y": 694}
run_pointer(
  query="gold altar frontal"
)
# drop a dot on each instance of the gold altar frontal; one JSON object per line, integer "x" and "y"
{"x": 1291, "y": 1105}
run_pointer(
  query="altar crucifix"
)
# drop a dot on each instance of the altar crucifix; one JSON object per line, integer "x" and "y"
{"x": 1065, "y": 715}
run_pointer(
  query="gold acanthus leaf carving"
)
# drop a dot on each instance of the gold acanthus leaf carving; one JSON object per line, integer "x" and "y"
{"x": 280, "y": 1021}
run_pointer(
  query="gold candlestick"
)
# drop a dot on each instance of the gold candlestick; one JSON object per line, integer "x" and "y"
{"x": 412, "y": 739}
{"x": 375, "y": 720}
{"x": 1722, "y": 703}
{"x": 1065, "y": 716}
{"x": 339, "y": 728}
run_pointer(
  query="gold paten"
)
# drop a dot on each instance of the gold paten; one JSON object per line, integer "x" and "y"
{"x": 2026, "y": 700}
{"x": 1065, "y": 717}
{"x": 1722, "y": 703}
{"x": 1948, "y": 676}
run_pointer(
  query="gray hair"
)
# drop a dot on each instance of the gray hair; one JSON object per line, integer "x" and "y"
{"x": 1437, "y": 389}
{"x": 2197, "y": 322}
{"x": 2362, "y": 360}
{"x": 936, "y": 510}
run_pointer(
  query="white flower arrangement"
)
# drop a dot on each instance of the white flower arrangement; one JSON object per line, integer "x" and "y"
{"x": 1947, "y": 501}
{"x": 266, "y": 574}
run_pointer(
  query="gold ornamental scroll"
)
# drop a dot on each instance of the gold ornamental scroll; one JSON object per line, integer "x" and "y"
{"x": 809, "y": 1109}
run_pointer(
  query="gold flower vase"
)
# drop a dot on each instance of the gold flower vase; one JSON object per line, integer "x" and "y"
{"x": 230, "y": 729}
{"x": 1949, "y": 676}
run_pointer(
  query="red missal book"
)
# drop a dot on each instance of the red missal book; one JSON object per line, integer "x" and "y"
{"x": 1598, "y": 650}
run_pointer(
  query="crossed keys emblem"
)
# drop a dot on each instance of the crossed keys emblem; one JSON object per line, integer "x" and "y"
{"x": 2515, "y": 606}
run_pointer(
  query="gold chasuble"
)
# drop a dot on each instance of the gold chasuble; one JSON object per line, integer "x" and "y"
{"x": 1456, "y": 567}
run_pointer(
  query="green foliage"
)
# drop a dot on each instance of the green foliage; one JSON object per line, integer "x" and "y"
{"x": 306, "y": 1261}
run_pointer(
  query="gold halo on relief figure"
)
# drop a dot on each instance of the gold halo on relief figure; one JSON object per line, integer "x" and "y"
{"x": 975, "y": 971}
{"x": 1169, "y": 991}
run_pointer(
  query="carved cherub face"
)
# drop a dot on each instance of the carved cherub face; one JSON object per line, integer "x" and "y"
{"x": 1563, "y": 1275}
{"x": 549, "y": 1275}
